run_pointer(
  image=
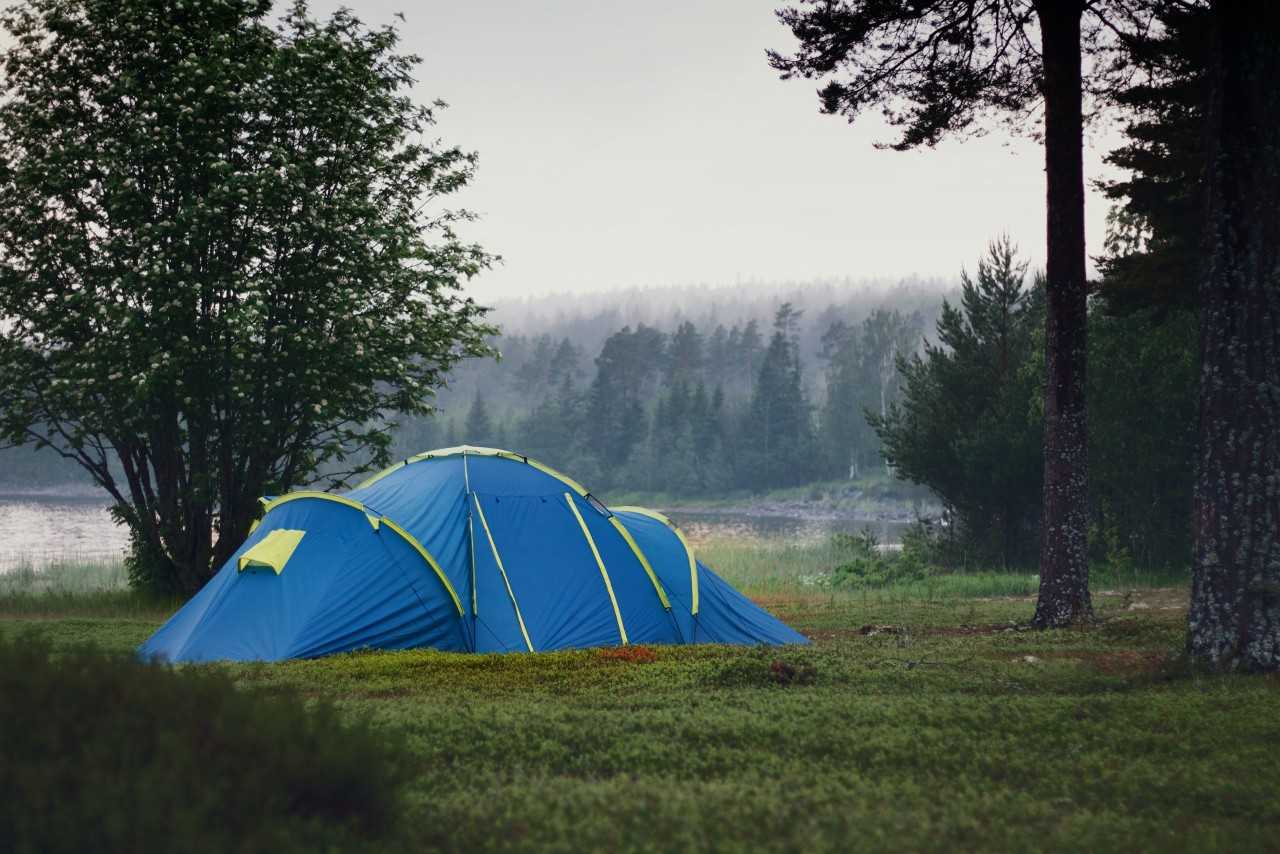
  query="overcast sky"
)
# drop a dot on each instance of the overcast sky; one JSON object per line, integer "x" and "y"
{"x": 626, "y": 143}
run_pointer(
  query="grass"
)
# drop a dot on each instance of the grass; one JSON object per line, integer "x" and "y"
{"x": 919, "y": 719}
{"x": 782, "y": 566}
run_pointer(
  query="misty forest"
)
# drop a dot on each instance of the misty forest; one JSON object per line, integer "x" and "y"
{"x": 307, "y": 545}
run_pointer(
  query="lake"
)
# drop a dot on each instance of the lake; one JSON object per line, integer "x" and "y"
{"x": 37, "y": 530}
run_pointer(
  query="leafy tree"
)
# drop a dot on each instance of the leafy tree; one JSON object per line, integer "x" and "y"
{"x": 217, "y": 265}
{"x": 935, "y": 68}
{"x": 968, "y": 424}
{"x": 1234, "y": 618}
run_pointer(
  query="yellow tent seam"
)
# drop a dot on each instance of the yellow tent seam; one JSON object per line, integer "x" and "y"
{"x": 374, "y": 522}
{"x": 498, "y": 559}
{"x": 604, "y": 573}
{"x": 431, "y": 561}
{"x": 693, "y": 564}
{"x": 644, "y": 561}
{"x": 476, "y": 451}
{"x": 307, "y": 493}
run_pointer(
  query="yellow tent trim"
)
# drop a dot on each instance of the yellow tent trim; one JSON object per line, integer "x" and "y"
{"x": 693, "y": 564}
{"x": 273, "y": 550}
{"x": 268, "y": 506}
{"x": 374, "y": 521}
{"x": 644, "y": 561}
{"x": 471, "y": 542}
{"x": 477, "y": 451}
{"x": 431, "y": 561}
{"x": 498, "y": 559}
{"x": 604, "y": 573}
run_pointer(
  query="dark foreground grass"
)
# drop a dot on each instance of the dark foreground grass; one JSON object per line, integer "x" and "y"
{"x": 912, "y": 722}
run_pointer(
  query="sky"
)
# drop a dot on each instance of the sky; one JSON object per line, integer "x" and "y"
{"x": 626, "y": 144}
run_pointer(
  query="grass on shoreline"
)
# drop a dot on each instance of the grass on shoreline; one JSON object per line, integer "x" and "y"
{"x": 918, "y": 719}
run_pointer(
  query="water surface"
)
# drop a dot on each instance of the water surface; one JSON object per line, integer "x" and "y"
{"x": 37, "y": 530}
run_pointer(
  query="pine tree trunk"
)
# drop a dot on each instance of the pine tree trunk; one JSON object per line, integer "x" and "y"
{"x": 1064, "y": 571}
{"x": 1234, "y": 621}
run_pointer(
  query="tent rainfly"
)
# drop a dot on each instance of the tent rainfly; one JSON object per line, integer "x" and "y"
{"x": 464, "y": 549}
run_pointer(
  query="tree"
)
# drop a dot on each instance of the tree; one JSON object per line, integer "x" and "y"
{"x": 219, "y": 270}
{"x": 1234, "y": 618}
{"x": 1143, "y": 329}
{"x": 778, "y": 432}
{"x": 479, "y": 429}
{"x": 1155, "y": 228}
{"x": 628, "y": 364}
{"x": 967, "y": 424}
{"x": 685, "y": 356}
{"x": 935, "y": 68}
{"x": 862, "y": 377}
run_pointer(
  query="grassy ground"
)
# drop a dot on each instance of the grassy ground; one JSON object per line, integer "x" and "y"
{"x": 920, "y": 718}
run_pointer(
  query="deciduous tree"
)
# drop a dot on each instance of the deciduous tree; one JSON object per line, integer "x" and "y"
{"x": 220, "y": 264}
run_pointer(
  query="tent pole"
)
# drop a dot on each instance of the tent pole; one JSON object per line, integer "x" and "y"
{"x": 471, "y": 542}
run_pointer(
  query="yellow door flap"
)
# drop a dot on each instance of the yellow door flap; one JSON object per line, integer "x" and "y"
{"x": 273, "y": 551}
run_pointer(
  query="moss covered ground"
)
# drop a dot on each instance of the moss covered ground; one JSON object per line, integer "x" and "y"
{"x": 919, "y": 718}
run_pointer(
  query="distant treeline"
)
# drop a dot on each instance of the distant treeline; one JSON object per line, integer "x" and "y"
{"x": 695, "y": 409}
{"x": 689, "y": 390}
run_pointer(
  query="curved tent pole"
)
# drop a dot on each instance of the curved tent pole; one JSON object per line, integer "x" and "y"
{"x": 604, "y": 573}
{"x": 472, "y": 450}
{"x": 375, "y": 520}
{"x": 688, "y": 550}
{"x": 497, "y": 558}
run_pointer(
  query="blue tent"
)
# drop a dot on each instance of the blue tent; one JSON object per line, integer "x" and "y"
{"x": 465, "y": 549}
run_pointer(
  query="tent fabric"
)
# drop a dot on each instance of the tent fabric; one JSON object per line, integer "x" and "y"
{"x": 462, "y": 549}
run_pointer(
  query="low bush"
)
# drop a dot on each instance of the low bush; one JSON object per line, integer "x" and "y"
{"x": 108, "y": 753}
{"x": 865, "y": 563}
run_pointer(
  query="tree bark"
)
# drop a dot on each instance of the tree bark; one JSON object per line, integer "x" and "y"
{"x": 1064, "y": 570}
{"x": 1234, "y": 619}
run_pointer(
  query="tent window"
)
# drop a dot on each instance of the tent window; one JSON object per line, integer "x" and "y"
{"x": 598, "y": 506}
{"x": 273, "y": 551}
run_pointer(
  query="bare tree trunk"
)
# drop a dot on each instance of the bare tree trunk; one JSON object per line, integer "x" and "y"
{"x": 1234, "y": 620}
{"x": 1064, "y": 570}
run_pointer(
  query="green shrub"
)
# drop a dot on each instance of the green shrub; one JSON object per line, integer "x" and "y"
{"x": 866, "y": 564}
{"x": 108, "y": 753}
